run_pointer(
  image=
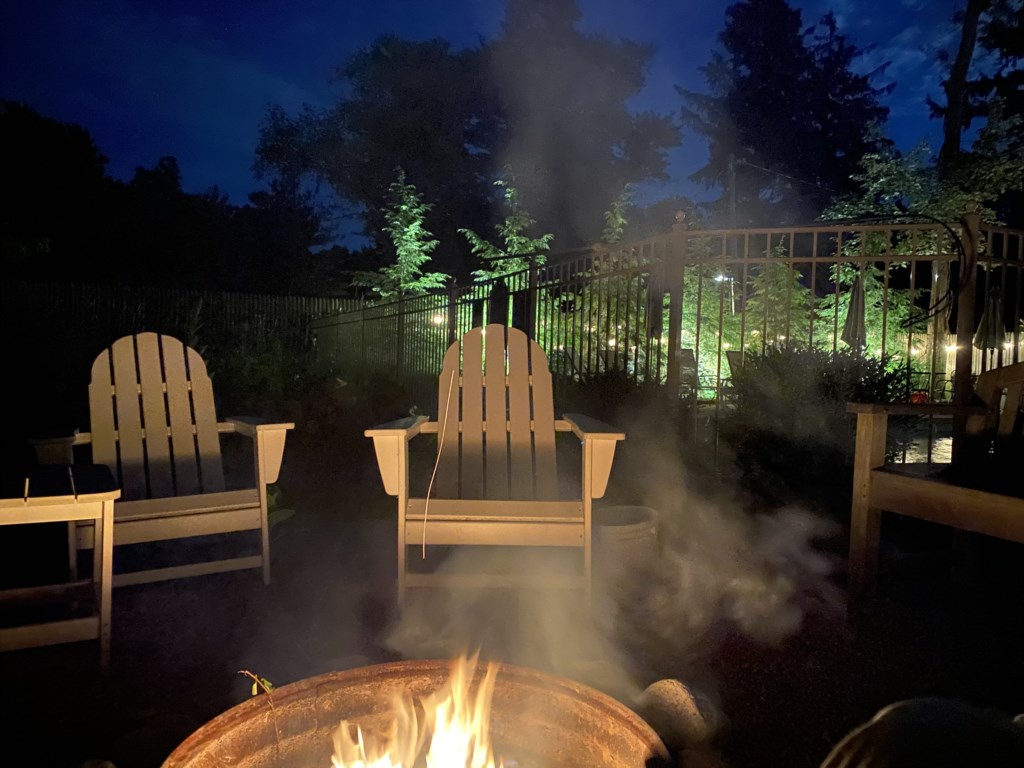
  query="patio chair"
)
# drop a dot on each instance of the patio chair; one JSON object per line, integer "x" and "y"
{"x": 727, "y": 390}
{"x": 154, "y": 424}
{"x": 496, "y": 475}
{"x": 689, "y": 380}
{"x": 981, "y": 491}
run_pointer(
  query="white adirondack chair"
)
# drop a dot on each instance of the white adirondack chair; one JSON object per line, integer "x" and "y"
{"x": 496, "y": 478}
{"x": 153, "y": 423}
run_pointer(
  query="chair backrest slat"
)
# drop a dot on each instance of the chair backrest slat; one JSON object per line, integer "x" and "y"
{"x": 179, "y": 407}
{"x": 207, "y": 436}
{"x": 472, "y": 417}
{"x": 505, "y": 412}
{"x": 519, "y": 433}
{"x": 101, "y": 414}
{"x": 495, "y": 414}
{"x": 131, "y": 452}
{"x": 999, "y": 387}
{"x": 447, "y": 481}
{"x": 545, "y": 466}
{"x": 154, "y": 416}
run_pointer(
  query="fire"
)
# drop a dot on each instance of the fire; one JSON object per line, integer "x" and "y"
{"x": 454, "y": 728}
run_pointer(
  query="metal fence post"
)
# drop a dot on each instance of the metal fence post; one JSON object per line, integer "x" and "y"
{"x": 400, "y": 337}
{"x": 674, "y": 282}
{"x": 531, "y": 300}
{"x": 453, "y": 313}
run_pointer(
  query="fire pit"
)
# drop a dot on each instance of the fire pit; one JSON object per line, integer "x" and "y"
{"x": 536, "y": 721}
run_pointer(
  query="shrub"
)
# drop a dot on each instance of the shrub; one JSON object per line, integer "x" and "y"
{"x": 789, "y": 430}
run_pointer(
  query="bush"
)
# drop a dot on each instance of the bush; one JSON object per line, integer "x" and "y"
{"x": 790, "y": 432}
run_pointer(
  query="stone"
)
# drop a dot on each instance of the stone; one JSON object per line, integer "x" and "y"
{"x": 681, "y": 717}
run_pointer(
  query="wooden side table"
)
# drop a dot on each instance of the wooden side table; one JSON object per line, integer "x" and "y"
{"x": 51, "y": 494}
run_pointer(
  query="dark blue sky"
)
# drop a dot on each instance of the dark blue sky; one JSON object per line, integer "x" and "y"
{"x": 193, "y": 79}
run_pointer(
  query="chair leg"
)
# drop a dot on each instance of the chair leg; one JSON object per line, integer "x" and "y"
{"x": 73, "y": 550}
{"x": 865, "y": 524}
{"x": 402, "y": 555}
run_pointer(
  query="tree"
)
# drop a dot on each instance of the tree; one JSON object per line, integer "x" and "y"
{"x": 517, "y": 248}
{"x": 570, "y": 138}
{"x": 405, "y": 215}
{"x": 787, "y": 118}
{"x": 53, "y": 176}
{"x": 995, "y": 95}
{"x": 415, "y": 105}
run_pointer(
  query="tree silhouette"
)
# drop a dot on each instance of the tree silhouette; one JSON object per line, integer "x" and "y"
{"x": 787, "y": 118}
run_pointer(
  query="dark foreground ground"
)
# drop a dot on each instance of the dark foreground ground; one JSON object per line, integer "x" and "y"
{"x": 950, "y": 622}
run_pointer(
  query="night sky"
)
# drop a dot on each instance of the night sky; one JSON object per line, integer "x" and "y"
{"x": 193, "y": 78}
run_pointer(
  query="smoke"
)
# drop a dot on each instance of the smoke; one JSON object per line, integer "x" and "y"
{"x": 720, "y": 571}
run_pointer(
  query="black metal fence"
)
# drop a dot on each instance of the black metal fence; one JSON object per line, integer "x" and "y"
{"x": 51, "y": 333}
{"x": 640, "y": 309}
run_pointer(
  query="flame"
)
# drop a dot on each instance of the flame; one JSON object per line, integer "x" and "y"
{"x": 455, "y": 728}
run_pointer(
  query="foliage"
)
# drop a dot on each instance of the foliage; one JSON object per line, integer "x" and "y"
{"x": 65, "y": 219}
{"x": 787, "y": 117}
{"x": 571, "y": 138}
{"x": 897, "y": 305}
{"x": 615, "y": 221}
{"x": 405, "y": 215}
{"x": 519, "y": 247}
{"x": 416, "y": 105}
{"x": 543, "y": 98}
{"x": 789, "y": 429}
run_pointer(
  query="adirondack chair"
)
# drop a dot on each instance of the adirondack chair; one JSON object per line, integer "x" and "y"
{"x": 689, "y": 380}
{"x": 981, "y": 492}
{"x": 496, "y": 476}
{"x": 153, "y": 422}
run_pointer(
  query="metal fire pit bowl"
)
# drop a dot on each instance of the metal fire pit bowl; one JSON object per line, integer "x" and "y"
{"x": 537, "y": 721}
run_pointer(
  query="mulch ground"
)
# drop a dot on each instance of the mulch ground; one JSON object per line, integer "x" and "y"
{"x": 949, "y": 622}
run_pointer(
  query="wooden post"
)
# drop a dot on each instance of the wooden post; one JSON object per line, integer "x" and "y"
{"x": 865, "y": 522}
{"x": 962, "y": 387}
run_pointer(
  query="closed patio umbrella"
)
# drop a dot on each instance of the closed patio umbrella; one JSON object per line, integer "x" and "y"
{"x": 854, "y": 330}
{"x": 991, "y": 333}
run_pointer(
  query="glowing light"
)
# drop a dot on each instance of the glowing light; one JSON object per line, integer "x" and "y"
{"x": 611, "y": 342}
{"x": 726, "y": 345}
{"x": 437, "y": 319}
{"x": 951, "y": 347}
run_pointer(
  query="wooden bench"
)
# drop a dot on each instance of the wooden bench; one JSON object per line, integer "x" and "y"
{"x": 982, "y": 492}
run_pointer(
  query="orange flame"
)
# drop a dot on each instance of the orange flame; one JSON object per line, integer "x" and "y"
{"x": 455, "y": 728}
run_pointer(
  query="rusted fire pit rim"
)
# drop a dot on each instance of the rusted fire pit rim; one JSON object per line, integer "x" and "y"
{"x": 508, "y": 674}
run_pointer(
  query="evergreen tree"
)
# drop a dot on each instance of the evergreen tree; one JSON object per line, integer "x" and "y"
{"x": 787, "y": 118}
{"x": 405, "y": 215}
{"x": 571, "y": 139}
{"x": 517, "y": 248}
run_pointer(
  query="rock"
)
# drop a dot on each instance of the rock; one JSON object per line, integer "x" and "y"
{"x": 680, "y": 716}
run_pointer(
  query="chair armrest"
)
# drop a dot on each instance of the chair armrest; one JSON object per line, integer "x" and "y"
{"x": 58, "y": 449}
{"x": 587, "y": 428}
{"x": 917, "y": 409}
{"x": 409, "y": 427}
{"x": 391, "y": 444}
{"x": 249, "y": 426}
{"x": 268, "y": 441}
{"x": 599, "y": 441}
